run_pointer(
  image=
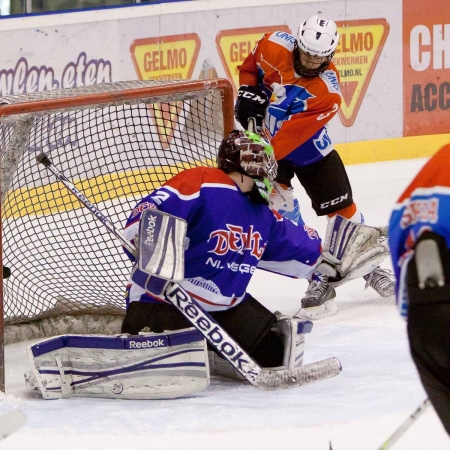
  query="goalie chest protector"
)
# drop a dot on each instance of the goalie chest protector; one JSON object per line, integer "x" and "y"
{"x": 149, "y": 366}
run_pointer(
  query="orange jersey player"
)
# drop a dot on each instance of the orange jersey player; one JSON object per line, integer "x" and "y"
{"x": 300, "y": 105}
{"x": 291, "y": 86}
{"x": 419, "y": 230}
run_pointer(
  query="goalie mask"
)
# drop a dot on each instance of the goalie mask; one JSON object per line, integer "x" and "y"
{"x": 250, "y": 154}
{"x": 315, "y": 46}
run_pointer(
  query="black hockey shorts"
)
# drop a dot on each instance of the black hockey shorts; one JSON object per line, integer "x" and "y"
{"x": 326, "y": 182}
{"x": 428, "y": 332}
{"x": 249, "y": 324}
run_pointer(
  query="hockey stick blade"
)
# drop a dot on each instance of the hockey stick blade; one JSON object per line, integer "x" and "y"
{"x": 265, "y": 379}
{"x": 10, "y": 422}
{"x": 270, "y": 379}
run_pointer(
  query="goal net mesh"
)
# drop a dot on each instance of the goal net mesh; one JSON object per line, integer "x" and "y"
{"x": 62, "y": 259}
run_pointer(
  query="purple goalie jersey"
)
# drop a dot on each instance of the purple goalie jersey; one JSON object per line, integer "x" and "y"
{"x": 228, "y": 236}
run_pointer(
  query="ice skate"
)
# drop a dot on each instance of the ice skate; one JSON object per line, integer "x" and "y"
{"x": 319, "y": 300}
{"x": 382, "y": 281}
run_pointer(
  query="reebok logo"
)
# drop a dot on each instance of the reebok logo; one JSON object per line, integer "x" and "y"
{"x": 217, "y": 337}
{"x": 150, "y": 230}
{"x": 147, "y": 344}
{"x": 333, "y": 241}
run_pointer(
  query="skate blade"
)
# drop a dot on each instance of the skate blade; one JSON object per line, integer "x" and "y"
{"x": 329, "y": 308}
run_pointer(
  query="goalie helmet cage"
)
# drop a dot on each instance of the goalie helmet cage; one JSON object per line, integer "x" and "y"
{"x": 116, "y": 142}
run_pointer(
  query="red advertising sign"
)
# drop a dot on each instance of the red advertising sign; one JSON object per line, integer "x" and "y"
{"x": 426, "y": 67}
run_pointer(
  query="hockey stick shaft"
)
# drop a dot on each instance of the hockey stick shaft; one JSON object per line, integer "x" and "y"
{"x": 394, "y": 437}
{"x": 44, "y": 160}
{"x": 227, "y": 347}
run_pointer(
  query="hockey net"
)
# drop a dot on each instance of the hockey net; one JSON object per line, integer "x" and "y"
{"x": 116, "y": 142}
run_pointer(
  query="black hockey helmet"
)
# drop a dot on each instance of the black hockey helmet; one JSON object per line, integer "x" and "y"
{"x": 250, "y": 154}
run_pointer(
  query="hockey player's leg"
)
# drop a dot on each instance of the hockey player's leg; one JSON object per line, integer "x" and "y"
{"x": 155, "y": 317}
{"x": 428, "y": 284}
{"x": 334, "y": 197}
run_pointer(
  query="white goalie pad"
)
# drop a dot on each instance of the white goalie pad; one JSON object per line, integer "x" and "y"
{"x": 292, "y": 332}
{"x": 351, "y": 250}
{"x": 149, "y": 366}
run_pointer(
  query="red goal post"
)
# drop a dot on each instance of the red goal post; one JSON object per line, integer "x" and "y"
{"x": 115, "y": 142}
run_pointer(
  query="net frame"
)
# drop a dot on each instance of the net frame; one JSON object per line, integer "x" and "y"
{"x": 21, "y": 110}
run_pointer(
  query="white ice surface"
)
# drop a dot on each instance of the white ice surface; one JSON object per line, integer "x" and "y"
{"x": 359, "y": 409}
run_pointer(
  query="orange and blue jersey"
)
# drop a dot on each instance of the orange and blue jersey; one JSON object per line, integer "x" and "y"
{"x": 299, "y": 107}
{"x": 424, "y": 206}
{"x": 228, "y": 236}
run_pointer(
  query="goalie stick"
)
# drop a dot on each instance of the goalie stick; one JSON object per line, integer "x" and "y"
{"x": 261, "y": 378}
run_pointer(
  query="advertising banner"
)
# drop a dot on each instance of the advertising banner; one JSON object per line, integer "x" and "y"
{"x": 142, "y": 42}
{"x": 426, "y": 67}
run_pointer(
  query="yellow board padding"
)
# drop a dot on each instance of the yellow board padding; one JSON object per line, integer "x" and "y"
{"x": 55, "y": 197}
{"x": 365, "y": 152}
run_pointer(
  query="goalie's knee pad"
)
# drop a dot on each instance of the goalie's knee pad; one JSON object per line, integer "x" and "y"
{"x": 148, "y": 366}
{"x": 292, "y": 333}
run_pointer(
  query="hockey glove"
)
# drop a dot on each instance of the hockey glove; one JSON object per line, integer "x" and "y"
{"x": 251, "y": 102}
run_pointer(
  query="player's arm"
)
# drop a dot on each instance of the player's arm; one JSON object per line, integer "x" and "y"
{"x": 251, "y": 100}
{"x": 292, "y": 250}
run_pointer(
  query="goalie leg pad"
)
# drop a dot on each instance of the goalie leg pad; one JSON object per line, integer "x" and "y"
{"x": 148, "y": 366}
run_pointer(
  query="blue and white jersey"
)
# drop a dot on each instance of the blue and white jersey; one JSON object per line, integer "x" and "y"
{"x": 424, "y": 206}
{"x": 228, "y": 235}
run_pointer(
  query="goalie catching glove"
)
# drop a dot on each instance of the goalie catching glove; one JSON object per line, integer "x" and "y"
{"x": 251, "y": 102}
{"x": 351, "y": 250}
